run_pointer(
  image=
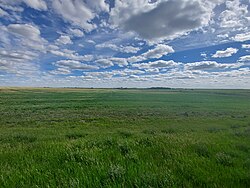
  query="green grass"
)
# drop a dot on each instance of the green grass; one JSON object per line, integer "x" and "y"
{"x": 124, "y": 138}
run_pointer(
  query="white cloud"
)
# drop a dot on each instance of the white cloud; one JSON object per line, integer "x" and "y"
{"x": 3, "y": 13}
{"x": 104, "y": 63}
{"x": 76, "y": 32}
{"x": 123, "y": 10}
{"x": 129, "y": 49}
{"x": 242, "y": 37}
{"x": 225, "y": 53}
{"x": 107, "y": 45}
{"x": 80, "y": 13}
{"x": 98, "y": 75}
{"x": 157, "y": 64}
{"x": 71, "y": 55}
{"x": 245, "y": 58}
{"x": 235, "y": 15}
{"x": 25, "y": 30}
{"x": 159, "y": 51}
{"x": 26, "y": 35}
{"x": 75, "y": 12}
{"x": 121, "y": 62}
{"x": 91, "y": 41}
{"x": 246, "y": 46}
{"x": 21, "y": 45}
{"x": 16, "y": 55}
{"x": 114, "y": 73}
{"x": 74, "y": 65}
{"x": 98, "y": 5}
{"x": 210, "y": 65}
{"x": 152, "y": 71}
{"x": 63, "y": 39}
{"x": 53, "y": 47}
{"x": 239, "y": 73}
{"x": 61, "y": 70}
{"x": 18, "y": 62}
{"x": 223, "y": 36}
{"x": 123, "y": 49}
{"x": 13, "y": 5}
{"x": 130, "y": 72}
{"x": 36, "y": 4}
{"x": 204, "y": 55}
{"x": 162, "y": 19}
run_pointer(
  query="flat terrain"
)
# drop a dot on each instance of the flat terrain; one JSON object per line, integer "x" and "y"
{"x": 124, "y": 138}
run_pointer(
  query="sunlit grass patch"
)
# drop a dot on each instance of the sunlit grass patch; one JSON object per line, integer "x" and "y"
{"x": 224, "y": 159}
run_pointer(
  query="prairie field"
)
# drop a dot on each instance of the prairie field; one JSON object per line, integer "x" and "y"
{"x": 124, "y": 138}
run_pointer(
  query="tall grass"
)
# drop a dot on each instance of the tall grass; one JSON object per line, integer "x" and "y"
{"x": 124, "y": 138}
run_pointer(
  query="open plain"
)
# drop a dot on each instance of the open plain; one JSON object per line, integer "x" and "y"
{"x": 124, "y": 138}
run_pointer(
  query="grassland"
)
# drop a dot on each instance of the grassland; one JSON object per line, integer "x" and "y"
{"x": 124, "y": 138}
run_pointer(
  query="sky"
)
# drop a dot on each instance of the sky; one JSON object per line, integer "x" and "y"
{"x": 125, "y": 43}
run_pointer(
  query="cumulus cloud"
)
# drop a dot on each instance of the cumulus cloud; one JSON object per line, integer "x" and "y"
{"x": 91, "y": 41}
{"x": 18, "y": 62}
{"x": 245, "y": 58}
{"x": 210, "y": 65}
{"x": 204, "y": 55}
{"x": 3, "y": 13}
{"x": 25, "y": 30}
{"x": 21, "y": 44}
{"x": 129, "y": 49}
{"x": 75, "y": 12}
{"x": 78, "y": 12}
{"x": 74, "y": 65}
{"x": 63, "y": 39}
{"x": 104, "y": 63}
{"x": 162, "y": 19}
{"x": 223, "y": 36}
{"x": 114, "y": 73}
{"x": 36, "y": 4}
{"x": 123, "y": 49}
{"x": 23, "y": 48}
{"x": 246, "y": 46}
{"x": 235, "y": 15}
{"x": 157, "y": 64}
{"x": 157, "y": 52}
{"x": 123, "y": 10}
{"x": 61, "y": 71}
{"x": 98, "y": 5}
{"x": 76, "y": 32}
{"x": 16, "y": 55}
{"x": 26, "y": 35}
{"x": 121, "y": 62}
{"x": 71, "y": 55}
{"x": 225, "y": 53}
{"x": 242, "y": 37}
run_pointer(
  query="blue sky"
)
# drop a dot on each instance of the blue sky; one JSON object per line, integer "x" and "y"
{"x": 125, "y": 43}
